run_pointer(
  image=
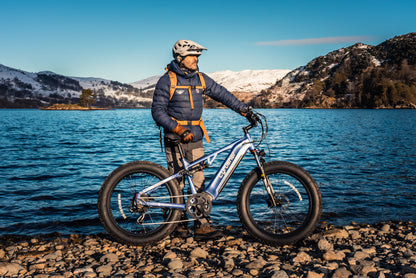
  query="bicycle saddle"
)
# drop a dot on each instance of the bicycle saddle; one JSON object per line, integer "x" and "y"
{"x": 172, "y": 138}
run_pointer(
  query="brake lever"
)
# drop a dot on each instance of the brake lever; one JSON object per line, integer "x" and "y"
{"x": 254, "y": 120}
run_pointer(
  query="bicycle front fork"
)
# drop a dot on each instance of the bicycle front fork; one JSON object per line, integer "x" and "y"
{"x": 269, "y": 188}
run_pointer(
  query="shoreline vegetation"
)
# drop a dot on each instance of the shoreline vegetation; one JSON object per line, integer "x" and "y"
{"x": 384, "y": 249}
{"x": 61, "y": 106}
{"x": 87, "y": 99}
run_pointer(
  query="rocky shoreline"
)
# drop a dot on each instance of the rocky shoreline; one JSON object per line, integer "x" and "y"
{"x": 357, "y": 250}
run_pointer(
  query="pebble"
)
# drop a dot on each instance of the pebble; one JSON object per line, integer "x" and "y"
{"x": 7, "y": 268}
{"x": 341, "y": 273}
{"x": 357, "y": 250}
{"x": 199, "y": 253}
{"x": 334, "y": 256}
{"x": 280, "y": 274}
{"x": 312, "y": 274}
{"x": 324, "y": 245}
{"x": 301, "y": 258}
{"x": 175, "y": 264}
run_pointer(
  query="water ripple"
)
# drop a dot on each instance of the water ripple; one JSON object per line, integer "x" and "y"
{"x": 54, "y": 162}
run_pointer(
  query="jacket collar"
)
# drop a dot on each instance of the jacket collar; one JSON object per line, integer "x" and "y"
{"x": 174, "y": 66}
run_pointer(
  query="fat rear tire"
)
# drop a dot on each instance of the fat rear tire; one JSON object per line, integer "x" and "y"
{"x": 115, "y": 201}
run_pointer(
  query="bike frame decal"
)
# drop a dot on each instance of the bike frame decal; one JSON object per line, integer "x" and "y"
{"x": 229, "y": 165}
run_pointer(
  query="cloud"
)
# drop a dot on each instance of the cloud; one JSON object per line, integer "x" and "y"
{"x": 328, "y": 40}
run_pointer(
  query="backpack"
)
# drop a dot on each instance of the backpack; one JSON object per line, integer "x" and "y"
{"x": 174, "y": 86}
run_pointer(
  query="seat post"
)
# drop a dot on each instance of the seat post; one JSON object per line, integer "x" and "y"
{"x": 181, "y": 151}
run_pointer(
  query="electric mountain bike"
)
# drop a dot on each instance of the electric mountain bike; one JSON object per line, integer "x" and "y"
{"x": 278, "y": 202}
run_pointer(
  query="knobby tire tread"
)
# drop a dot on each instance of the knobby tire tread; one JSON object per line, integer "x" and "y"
{"x": 106, "y": 189}
{"x": 280, "y": 167}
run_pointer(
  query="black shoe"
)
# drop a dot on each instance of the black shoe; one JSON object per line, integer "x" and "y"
{"x": 207, "y": 233}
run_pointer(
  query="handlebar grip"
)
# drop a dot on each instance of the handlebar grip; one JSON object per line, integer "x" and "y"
{"x": 253, "y": 122}
{"x": 252, "y": 117}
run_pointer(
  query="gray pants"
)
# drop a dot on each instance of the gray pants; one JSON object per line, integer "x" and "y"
{"x": 192, "y": 152}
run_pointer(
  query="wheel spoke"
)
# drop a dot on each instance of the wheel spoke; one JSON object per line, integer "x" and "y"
{"x": 131, "y": 185}
{"x": 287, "y": 215}
{"x": 125, "y": 217}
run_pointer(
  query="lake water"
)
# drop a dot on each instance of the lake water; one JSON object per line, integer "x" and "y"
{"x": 54, "y": 162}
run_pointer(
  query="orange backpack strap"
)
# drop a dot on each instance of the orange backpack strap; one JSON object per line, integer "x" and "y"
{"x": 201, "y": 78}
{"x": 173, "y": 82}
{"x": 199, "y": 123}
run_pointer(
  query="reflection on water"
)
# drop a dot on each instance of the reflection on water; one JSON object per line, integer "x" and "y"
{"x": 54, "y": 162}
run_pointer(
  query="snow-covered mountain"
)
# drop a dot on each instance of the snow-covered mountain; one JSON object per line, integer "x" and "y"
{"x": 360, "y": 75}
{"x": 147, "y": 84}
{"x": 357, "y": 76}
{"x": 248, "y": 81}
{"x": 116, "y": 90}
{"x": 19, "y": 88}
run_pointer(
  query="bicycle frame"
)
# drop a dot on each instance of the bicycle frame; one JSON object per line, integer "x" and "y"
{"x": 238, "y": 150}
{"x": 278, "y": 202}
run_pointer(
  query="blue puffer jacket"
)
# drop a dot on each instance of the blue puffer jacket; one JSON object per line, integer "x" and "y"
{"x": 179, "y": 107}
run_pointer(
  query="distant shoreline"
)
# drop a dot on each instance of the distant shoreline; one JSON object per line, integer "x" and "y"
{"x": 71, "y": 107}
{"x": 208, "y": 108}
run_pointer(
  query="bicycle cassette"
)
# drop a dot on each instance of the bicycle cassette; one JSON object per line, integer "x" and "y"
{"x": 199, "y": 205}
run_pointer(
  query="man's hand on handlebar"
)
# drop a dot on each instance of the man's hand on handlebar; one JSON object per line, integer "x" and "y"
{"x": 251, "y": 116}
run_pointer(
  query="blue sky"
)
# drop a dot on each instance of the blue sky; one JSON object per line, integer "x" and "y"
{"x": 127, "y": 40}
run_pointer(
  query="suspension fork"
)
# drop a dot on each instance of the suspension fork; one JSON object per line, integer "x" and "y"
{"x": 265, "y": 178}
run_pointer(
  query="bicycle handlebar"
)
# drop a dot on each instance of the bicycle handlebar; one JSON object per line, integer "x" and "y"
{"x": 253, "y": 120}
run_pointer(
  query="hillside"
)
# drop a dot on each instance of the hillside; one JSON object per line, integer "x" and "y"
{"x": 245, "y": 85}
{"x": 21, "y": 89}
{"x": 359, "y": 76}
{"x": 35, "y": 90}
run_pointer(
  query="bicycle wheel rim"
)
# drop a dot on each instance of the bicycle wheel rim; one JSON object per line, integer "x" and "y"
{"x": 291, "y": 212}
{"x": 133, "y": 220}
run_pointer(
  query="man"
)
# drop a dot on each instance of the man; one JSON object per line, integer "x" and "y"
{"x": 177, "y": 107}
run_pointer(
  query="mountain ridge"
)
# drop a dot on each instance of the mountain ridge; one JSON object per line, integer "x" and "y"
{"x": 23, "y": 89}
{"x": 357, "y": 76}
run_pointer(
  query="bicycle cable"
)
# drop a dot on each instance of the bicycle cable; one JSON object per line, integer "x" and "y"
{"x": 264, "y": 132}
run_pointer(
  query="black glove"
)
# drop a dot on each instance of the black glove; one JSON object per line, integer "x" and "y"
{"x": 250, "y": 115}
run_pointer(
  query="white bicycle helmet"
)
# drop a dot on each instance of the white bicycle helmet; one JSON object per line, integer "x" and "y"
{"x": 183, "y": 48}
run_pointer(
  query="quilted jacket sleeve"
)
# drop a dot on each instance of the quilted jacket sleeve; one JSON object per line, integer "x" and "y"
{"x": 221, "y": 94}
{"x": 160, "y": 104}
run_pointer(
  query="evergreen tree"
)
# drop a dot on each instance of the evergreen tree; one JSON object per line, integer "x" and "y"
{"x": 87, "y": 98}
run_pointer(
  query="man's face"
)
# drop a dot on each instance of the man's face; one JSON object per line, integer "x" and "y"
{"x": 190, "y": 62}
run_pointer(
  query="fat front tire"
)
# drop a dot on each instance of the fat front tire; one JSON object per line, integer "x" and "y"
{"x": 291, "y": 216}
{"x": 125, "y": 220}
